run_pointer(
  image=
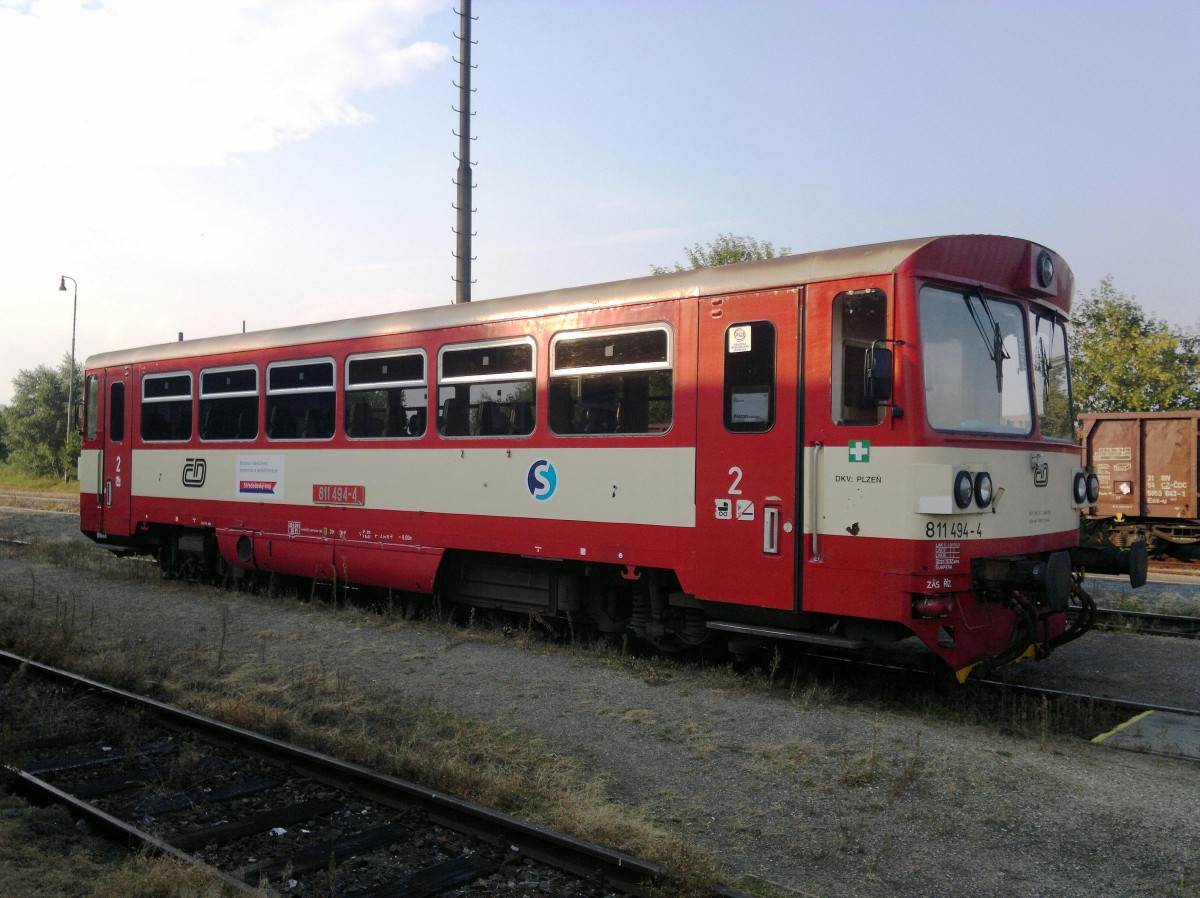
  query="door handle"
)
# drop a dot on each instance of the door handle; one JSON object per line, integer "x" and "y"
{"x": 770, "y": 530}
{"x": 108, "y": 493}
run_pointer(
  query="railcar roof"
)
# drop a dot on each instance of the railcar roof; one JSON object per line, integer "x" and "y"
{"x": 805, "y": 268}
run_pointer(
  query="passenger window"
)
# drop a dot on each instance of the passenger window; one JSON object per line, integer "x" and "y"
{"x": 487, "y": 389}
{"x": 386, "y": 395}
{"x": 750, "y": 377}
{"x": 116, "y": 413}
{"x": 301, "y": 399}
{"x": 611, "y": 381}
{"x": 91, "y": 408}
{"x": 229, "y": 404}
{"x": 859, "y": 320}
{"x": 167, "y": 407}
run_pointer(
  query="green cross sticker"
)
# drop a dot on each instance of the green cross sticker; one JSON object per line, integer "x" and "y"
{"x": 860, "y": 450}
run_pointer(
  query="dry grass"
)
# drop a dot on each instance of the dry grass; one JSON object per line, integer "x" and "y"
{"x": 314, "y": 707}
{"x": 42, "y": 853}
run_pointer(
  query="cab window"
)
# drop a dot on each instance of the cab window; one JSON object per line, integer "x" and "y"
{"x": 859, "y": 321}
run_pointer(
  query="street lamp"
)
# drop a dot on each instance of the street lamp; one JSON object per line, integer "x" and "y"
{"x": 62, "y": 285}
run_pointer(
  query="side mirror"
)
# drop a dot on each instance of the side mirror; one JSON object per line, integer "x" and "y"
{"x": 879, "y": 375}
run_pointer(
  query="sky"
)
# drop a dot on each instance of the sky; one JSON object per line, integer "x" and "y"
{"x": 201, "y": 168}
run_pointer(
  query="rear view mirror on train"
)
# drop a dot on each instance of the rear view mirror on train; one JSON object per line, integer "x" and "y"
{"x": 879, "y": 375}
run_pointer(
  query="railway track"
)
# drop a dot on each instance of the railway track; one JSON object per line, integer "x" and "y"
{"x": 255, "y": 811}
{"x": 1148, "y": 623}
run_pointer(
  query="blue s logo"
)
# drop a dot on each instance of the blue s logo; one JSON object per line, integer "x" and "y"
{"x": 541, "y": 480}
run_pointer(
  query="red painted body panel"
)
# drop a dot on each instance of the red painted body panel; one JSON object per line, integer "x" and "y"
{"x": 807, "y": 565}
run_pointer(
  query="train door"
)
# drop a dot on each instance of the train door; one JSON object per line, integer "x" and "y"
{"x": 850, "y": 490}
{"x": 746, "y": 441}
{"x": 116, "y": 455}
{"x": 91, "y": 455}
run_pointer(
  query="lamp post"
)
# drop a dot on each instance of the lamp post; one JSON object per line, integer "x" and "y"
{"x": 62, "y": 285}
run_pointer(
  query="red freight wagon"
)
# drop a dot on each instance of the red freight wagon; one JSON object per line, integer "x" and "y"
{"x": 849, "y": 448}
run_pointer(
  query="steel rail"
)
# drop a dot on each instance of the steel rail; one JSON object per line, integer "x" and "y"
{"x": 1181, "y": 625}
{"x": 1127, "y": 704}
{"x": 584, "y": 859}
{"x": 116, "y": 829}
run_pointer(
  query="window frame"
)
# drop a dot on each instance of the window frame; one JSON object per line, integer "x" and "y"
{"x": 844, "y": 346}
{"x": 178, "y": 399}
{"x": 667, "y": 364}
{"x": 1058, "y": 325}
{"x": 599, "y": 332}
{"x": 349, "y": 388}
{"x": 728, "y": 390}
{"x": 499, "y": 377}
{"x": 270, "y": 392}
{"x": 471, "y": 380}
{"x": 1023, "y": 374}
{"x": 91, "y": 407}
{"x": 234, "y": 394}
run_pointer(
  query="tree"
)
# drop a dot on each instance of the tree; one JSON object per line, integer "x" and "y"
{"x": 725, "y": 250}
{"x": 3, "y": 438}
{"x": 1125, "y": 360}
{"x": 38, "y": 439}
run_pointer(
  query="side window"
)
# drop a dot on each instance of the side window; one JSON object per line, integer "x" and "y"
{"x": 859, "y": 319}
{"x": 487, "y": 389}
{"x": 229, "y": 404}
{"x": 167, "y": 407}
{"x": 387, "y": 395}
{"x": 616, "y": 381}
{"x": 91, "y": 408}
{"x": 750, "y": 377}
{"x": 301, "y": 399}
{"x": 116, "y": 413}
{"x": 1052, "y": 389}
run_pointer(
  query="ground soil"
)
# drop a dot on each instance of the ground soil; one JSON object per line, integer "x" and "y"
{"x": 791, "y": 786}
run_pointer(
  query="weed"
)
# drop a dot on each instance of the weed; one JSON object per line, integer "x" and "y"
{"x": 912, "y": 769}
{"x": 863, "y": 770}
{"x": 776, "y": 661}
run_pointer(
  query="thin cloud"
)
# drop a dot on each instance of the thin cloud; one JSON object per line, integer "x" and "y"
{"x": 163, "y": 83}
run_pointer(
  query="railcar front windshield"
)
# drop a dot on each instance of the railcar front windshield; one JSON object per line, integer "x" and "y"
{"x": 976, "y": 356}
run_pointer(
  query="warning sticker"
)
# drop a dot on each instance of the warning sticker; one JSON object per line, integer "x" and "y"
{"x": 946, "y": 556}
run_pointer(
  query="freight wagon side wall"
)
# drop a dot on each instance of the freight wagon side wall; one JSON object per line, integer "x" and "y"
{"x": 1148, "y": 463}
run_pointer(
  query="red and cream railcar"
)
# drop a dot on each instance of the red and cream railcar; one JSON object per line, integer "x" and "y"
{"x": 846, "y": 447}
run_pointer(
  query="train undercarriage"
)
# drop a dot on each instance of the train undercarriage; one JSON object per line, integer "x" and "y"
{"x": 649, "y": 605}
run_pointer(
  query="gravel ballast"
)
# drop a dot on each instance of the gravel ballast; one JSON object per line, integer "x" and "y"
{"x": 815, "y": 797}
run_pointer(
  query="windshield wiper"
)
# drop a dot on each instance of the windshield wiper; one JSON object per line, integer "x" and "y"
{"x": 995, "y": 343}
{"x": 1045, "y": 367}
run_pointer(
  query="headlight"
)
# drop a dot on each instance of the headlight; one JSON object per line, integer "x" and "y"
{"x": 1045, "y": 269}
{"x": 1093, "y": 489}
{"x": 983, "y": 489}
{"x": 963, "y": 490}
{"x": 1079, "y": 488}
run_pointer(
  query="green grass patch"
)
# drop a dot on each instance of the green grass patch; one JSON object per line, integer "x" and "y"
{"x": 15, "y": 479}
